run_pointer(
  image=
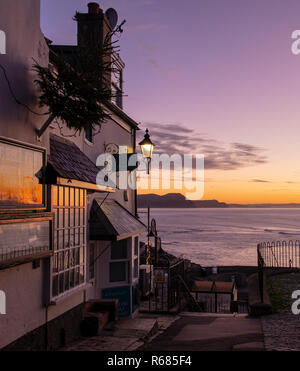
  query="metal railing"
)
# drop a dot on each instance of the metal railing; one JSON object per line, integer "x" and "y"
{"x": 276, "y": 254}
{"x": 280, "y": 254}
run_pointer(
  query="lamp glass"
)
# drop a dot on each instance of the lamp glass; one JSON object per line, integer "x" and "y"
{"x": 147, "y": 150}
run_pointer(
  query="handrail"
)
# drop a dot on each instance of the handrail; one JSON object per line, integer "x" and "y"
{"x": 189, "y": 293}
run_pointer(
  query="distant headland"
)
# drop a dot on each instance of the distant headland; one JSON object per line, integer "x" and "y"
{"x": 177, "y": 200}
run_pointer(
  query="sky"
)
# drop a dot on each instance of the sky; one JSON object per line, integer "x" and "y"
{"x": 211, "y": 77}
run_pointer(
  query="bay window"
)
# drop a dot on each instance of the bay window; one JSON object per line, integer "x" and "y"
{"x": 68, "y": 268}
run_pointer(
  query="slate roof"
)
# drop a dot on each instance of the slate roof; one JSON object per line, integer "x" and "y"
{"x": 109, "y": 221}
{"x": 70, "y": 162}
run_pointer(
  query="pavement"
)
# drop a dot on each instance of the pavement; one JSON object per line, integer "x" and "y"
{"x": 183, "y": 332}
{"x": 209, "y": 332}
{"x": 126, "y": 334}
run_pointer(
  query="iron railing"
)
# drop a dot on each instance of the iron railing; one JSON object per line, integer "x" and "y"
{"x": 276, "y": 254}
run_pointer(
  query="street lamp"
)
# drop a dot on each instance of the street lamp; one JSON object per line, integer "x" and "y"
{"x": 147, "y": 148}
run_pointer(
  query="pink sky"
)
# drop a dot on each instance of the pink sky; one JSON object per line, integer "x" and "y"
{"x": 222, "y": 69}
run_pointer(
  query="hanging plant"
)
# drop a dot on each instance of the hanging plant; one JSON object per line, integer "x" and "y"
{"x": 76, "y": 89}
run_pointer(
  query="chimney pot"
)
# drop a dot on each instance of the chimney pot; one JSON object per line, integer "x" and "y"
{"x": 94, "y": 8}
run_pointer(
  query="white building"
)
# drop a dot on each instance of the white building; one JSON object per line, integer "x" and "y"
{"x": 63, "y": 240}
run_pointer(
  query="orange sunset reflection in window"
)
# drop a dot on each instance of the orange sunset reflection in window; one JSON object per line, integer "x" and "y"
{"x": 21, "y": 169}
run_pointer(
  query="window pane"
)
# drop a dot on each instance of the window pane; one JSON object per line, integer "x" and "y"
{"x": 81, "y": 275}
{"x": 77, "y": 216}
{"x": 117, "y": 272}
{"x": 20, "y": 174}
{"x": 67, "y": 239}
{"x": 136, "y": 246}
{"x": 54, "y": 196}
{"x": 119, "y": 250}
{"x": 72, "y": 278}
{"x": 72, "y": 241}
{"x": 67, "y": 218}
{"x": 82, "y": 236}
{"x": 136, "y": 268}
{"x": 55, "y": 286}
{"x": 71, "y": 196}
{"x": 82, "y": 217}
{"x": 77, "y": 256}
{"x": 77, "y": 235}
{"x": 61, "y": 283}
{"x": 67, "y": 196}
{"x": 61, "y": 240}
{"x": 77, "y": 273}
{"x": 67, "y": 281}
{"x": 61, "y": 218}
{"x": 61, "y": 261}
{"x": 77, "y": 197}
{"x": 81, "y": 197}
{"x": 57, "y": 241}
{"x": 66, "y": 260}
{"x": 72, "y": 220}
{"x": 72, "y": 258}
{"x": 21, "y": 239}
{"x": 81, "y": 256}
{"x": 55, "y": 263}
{"x": 61, "y": 196}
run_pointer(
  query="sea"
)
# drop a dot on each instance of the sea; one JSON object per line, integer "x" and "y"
{"x": 222, "y": 237}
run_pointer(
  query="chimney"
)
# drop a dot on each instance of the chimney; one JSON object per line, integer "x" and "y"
{"x": 94, "y": 8}
{"x": 90, "y": 27}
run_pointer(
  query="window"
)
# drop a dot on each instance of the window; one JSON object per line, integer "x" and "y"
{"x": 117, "y": 87}
{"x": 119, "y": 265}
{"x": 68, "y": 271}
{"x": 136, "y": 268}
{"x": 136, "y": 246}
{"x": 21, "y": 174}
{"x": 89, "y": 135}
{"x": 117, "y": 272}
{"x": 24, "y": 239}
{"x": 136, "y": 258}
{"x": 119, "y": 250}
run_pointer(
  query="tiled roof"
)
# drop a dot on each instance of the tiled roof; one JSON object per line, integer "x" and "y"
{"x": 70, "y": 162}
{"x": 109, "y": 221}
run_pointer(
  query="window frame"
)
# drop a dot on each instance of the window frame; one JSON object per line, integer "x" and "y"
{"x": 89, "y": 139}
{"x": 72, "y": 251}
{"x": 41, "y": 150}
{"x": 35, "y": 255}
{"x": 127, "y": 262}
{"x": 135, "y": 257}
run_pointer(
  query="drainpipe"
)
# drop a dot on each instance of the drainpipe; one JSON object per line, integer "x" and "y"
{"x": 135, "y": 191}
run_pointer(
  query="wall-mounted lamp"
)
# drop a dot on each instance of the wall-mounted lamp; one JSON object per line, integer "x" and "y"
{"x": 147, "y": 148}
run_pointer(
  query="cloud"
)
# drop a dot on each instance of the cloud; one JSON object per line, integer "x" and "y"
{"x": 177, "y": 139}
{"x": 259, "y": 181}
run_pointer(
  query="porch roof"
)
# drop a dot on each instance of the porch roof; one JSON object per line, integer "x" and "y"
{"x": 68, "y": 163}
{"x": 109, "y": 221}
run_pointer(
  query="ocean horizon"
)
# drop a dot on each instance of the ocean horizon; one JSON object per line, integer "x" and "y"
{"x": 222, "y": 237}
